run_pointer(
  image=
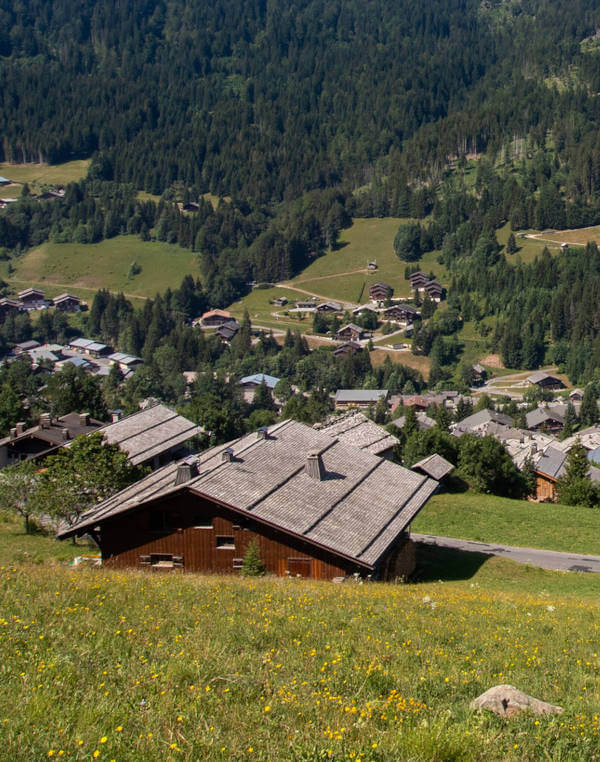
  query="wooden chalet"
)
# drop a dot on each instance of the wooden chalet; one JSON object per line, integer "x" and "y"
{"x": 402, "y": 313}
{"x": 316, "y": 506}
{"x": 250, "y": 384}
{"x": 545, "y": 380}
{"x": 418, "y": 280}
{"x": 434, "y": 290}
{"x": 379, "y": 292}
{"x": 576, "y": 395}
{"x": 213, "y": 318}
{"x": 8, "y": 306}
{"x": 351, "y": 332}
{"x": 23, "y": 347}
{"x": 48, "y": 436}
{"x": 544, "y": 419}
{"x": 31, "y": 298}
{"x": 547, "y": 471}
{"x": 226, "y": 331}
{"x": 153, "y": 437}
{"x": 281, "y": 301}
{"x": 67, "y": 303}
{"x": 305, "y": 305}
{"x": 347, "y": 348}
{"x": 329, "y": 307}
{"x": 479, "y": 374}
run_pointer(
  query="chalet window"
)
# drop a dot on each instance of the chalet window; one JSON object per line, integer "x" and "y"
{"x": 238, "y": 563}
{"x": 202, "y": 522}
{"x": 225, "y": 541}
{"x": 236, "y": 526}
{"x": 166, "y": 561}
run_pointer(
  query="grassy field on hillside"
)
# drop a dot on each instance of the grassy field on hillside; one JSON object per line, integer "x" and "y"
{"x": 487, "y": 518}
{"x": 85, "y": 268}
{"x": 45, "y": 174}
{"x": 129, "y": 666}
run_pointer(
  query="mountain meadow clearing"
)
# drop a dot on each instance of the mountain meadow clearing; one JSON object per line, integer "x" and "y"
{"x": 128, "y": 666}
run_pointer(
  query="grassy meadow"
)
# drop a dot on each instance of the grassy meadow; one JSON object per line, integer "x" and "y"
{"x": 128, "y": 665}
{"x": 37, "y": 175}
{"x": 488, "y": 518}
{"x": 84, "y": 268}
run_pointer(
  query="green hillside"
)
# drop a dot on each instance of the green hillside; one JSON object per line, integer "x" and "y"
{"x": 83, "y": 269}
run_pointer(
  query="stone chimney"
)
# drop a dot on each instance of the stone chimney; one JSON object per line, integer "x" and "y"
{"x": 64, "y": 434}
{"x": 116, "y": 416}
{"x": 262, "y": 432}
{"x": 45, "y": 420}
{"x": 186, "y": 470}
{"x": 20, "y": 428}
{"x": 84, "y": 419}
{"x": 314, "y": 466}
{"x": 13, "y": 433}
{"x": 227, "y": 455}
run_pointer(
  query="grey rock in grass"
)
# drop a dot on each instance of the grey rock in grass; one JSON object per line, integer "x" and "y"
{"x": 507, "y": 701}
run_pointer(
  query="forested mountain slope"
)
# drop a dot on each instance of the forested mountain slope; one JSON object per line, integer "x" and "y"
{"x": 264, "y": 100}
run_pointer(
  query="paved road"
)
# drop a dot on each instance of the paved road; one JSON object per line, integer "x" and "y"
{"x": 545, "y": 559}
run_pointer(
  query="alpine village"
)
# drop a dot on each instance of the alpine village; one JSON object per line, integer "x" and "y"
{"x": 300, "y": 380}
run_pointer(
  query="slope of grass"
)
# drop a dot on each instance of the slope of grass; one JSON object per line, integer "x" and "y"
{"x": 335, "y": 274}
{"x": 130, "y": 666}
{"x": 487, "y": 518}
{"x": 45, "y": 174}
{"x": 85, "y": 268}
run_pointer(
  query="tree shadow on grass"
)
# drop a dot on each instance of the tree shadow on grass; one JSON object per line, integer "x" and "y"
{"x": 448, "y": 564}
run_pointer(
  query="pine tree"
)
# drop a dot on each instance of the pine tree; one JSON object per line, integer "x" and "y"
{"x": 588, "y": 413}
{"x": 252, "y": 565}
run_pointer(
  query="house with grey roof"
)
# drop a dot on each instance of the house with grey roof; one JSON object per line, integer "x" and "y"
{"x": 317, "y": 507}
{"x": 543, "y": 417}
{"x": 365, "y": 398}
{"x": 356, "y": 429}
{"x": 45, "y": 438}
{"x": 545, "y": 380}
{"x": 479, "y": 422}
{"x": 152, "y": 437}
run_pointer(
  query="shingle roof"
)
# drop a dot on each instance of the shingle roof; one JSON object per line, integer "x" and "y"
{"x": 540, "y": 415}
{"x": 359, "y": 431}
{"x": 552, "y": 463}
{"x": 358, "y": 509}
{"x": 541, "y": 375}
{"x": 150, "y": 432}
{"x": 434, "y": 466}
{"x": 481, "y": 418}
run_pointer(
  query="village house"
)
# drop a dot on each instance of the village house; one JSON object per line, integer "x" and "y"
{"x": 49, "y": 435}
{"x": 8, "y": 306}
{"x": 402, "y": 313}
{"x": 354, "y": 428}
{"x": 545, "y": 380}
{"x": 576, "y": 395}
{"x": 67, "y": 303}
{"x": 348, "y": 347}
{"x": 90, "y": 347}
{"x": 226, "y": 331}
{"x": 364, "y": 309}
{"x": 47, "y": 353}
{"x": 124, "y": 361}
{"x": 281, "y": 301}
{"x": 152, "y": 437}
{"x": 544, "y": 419}
{"x": 304, "y": 497}
{"x": 329, "y": 307}
{"x": 32, "y": 298}
{"x": 361, "y": 398}
{"x": 434, "y": 290}
{"x": 305, "y": 306}
{"x": 379, "y": 292}
{"x": 23, "y": 347}
{"x": 418, "y": 280}
{"x": 76, "y": 362}
{"x": 250, "y": 384}
{"x": 4, "y": 181}
{"x": 351, "y": 332}
{"x": 213, "y": 318}
{"x": 479, "y": 422}
{"x": 424, "y": 422}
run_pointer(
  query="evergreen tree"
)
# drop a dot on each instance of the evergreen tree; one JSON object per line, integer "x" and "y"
{"x": 588, "y": 413}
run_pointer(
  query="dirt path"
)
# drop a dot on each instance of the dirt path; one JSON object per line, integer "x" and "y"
{"x": 346, "y": 305}
{"x": 333, "y": 275}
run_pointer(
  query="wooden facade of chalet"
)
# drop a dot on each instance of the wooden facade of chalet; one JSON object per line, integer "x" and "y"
{"x": 379, "y": 292}
{"x": 67, "y": 303}
{"x": 545, "y": 488}
{"x": 351, "y": 332}
{"x": 199, "y": 535}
